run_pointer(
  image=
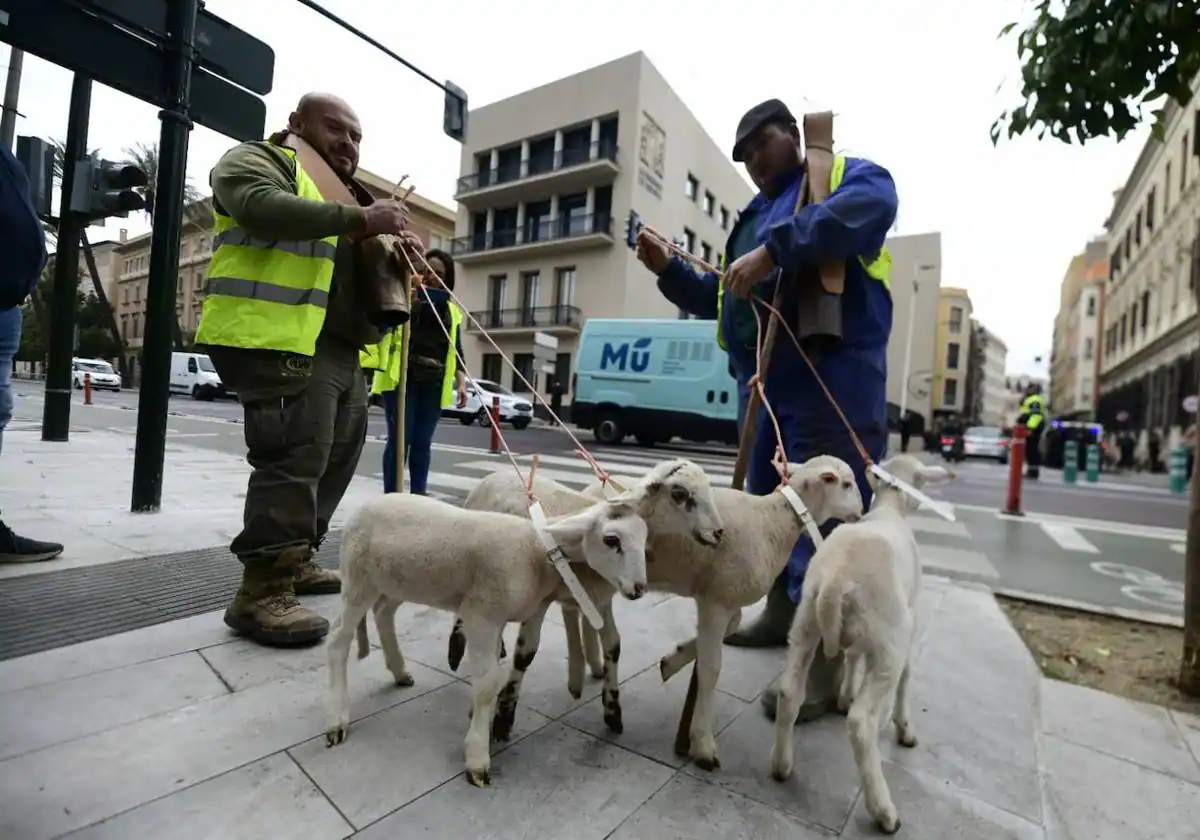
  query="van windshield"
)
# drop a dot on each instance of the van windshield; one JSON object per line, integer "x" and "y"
{"x": 205, "y": 364}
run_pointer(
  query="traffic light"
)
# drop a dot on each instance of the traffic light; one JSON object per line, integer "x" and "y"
{"x": 632, "y": 228}
{"x": 454, "y": 115}
{"x": 105, "y": 188}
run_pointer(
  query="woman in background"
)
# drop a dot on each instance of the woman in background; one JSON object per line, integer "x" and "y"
{"x": 435, "y": 379}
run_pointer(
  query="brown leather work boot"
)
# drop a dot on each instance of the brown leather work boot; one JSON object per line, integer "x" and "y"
{"x": 265, "y": 607}
{"x": 311, "y": 579}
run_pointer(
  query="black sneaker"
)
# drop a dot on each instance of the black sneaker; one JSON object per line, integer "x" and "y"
{"x": 17, "y": 549}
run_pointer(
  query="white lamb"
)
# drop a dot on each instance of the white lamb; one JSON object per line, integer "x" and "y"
{"x": 860, "y": 597}
{"x": 760, "y": 532}
{"x": 489, "y": 568}
{"x": 676, "y": 498}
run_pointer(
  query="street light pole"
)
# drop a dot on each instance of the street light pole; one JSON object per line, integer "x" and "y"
{"x": 908, "y": 337}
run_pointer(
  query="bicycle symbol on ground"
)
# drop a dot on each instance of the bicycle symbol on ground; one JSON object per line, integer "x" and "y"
{"x": 1143, "y": 585}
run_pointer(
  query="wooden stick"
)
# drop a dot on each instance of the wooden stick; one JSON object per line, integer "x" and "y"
{"x": 401, "y": 396}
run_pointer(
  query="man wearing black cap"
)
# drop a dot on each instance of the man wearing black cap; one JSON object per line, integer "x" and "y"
{"x": 772, "y": 243}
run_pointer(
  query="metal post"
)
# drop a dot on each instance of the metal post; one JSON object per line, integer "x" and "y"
{"x": 1016, "y": 468}
{"x": 12, "y": 94}
{"x": 1070, "y": 471}
{"x": 1092, "y": 472}
{"x": 148, "y": 454}
{"x": 494, "y": 416}
{"x": 56, "y": 411}
{"x": 1178, "y": 470}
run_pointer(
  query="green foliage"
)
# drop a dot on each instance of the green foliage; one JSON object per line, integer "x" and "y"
{"x": 1089, "y": 68}
{"x": 95, "y": 337}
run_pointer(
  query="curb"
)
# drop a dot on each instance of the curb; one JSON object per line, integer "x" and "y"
{"x": 1142, "y": 616}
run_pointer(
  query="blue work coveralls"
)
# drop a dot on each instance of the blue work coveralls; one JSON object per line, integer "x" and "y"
{"x": 852, "y": 222}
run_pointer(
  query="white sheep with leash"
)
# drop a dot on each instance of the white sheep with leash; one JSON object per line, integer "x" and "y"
{"x": 760, "y": 532}
{"x": 860, "y": 598}
{"x": 489, "y": 568}
{"x": 675, "y": 497}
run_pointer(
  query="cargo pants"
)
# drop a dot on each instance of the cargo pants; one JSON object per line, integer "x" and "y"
{"x": 303, "y": 442}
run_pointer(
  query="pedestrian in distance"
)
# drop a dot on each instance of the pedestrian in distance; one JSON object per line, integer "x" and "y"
{"x": 435, "y": 379}
{"x": 21, "y": 264}
{"x": 283, "y": 323}
{"x": 771, "y": 243}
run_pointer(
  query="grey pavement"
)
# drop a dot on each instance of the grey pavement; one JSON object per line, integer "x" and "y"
{"x": 180, "y": 732}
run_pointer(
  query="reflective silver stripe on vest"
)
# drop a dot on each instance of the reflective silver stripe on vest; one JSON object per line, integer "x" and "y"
{"x": 238, "y": 287}
{"x": 306, "y": 248}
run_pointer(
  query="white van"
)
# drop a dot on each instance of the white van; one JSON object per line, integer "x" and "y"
{"x": 103, "y": 377}
{"x": 194, "y": 373}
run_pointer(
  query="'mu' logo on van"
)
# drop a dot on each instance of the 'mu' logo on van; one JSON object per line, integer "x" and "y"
{"x": 620, "y": 356}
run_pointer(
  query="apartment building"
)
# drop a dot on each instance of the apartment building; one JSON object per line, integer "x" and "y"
{"x": 1150, "y": 343}
{"x": 129, "y": 263}
{"x": 1075, "y": 352}
{"x": 916, "y": 284}
{"x": 952, "y": 353}
{"x": 548, "y": 180}
{"x": 987, "y": 388}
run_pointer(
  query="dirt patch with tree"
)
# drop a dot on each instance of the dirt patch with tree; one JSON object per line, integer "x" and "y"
{"x": 1128, "y": 658}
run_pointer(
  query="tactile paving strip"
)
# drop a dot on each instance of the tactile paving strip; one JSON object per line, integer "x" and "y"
{"x": 45, "y": 611}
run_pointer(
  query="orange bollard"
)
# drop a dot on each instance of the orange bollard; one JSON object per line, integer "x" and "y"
{"x": 494, "y": 447}
{"x": 87, "y": 388}
{"x": 1016, "y": 469}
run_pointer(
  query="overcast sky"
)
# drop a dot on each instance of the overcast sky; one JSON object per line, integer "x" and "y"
{"x": 914, "y": 84}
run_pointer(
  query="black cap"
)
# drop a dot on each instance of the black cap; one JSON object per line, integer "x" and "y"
{"x": 770, "y": 111}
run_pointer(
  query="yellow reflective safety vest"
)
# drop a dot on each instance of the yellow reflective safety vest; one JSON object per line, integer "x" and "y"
{"x": 1033, "y": 407}
{"x": 880, "y": 268}
{"x": 266, "y": 294}
{"x": 387, "y": 355}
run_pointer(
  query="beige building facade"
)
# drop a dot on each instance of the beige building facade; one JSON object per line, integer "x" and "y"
{"x": 916, "y": 284}
{"x": 126, "y": 264}
{"x": 548, "y": 180}
{"x": 952, "y": 352}
{"x": 1075, "y": 352}
{"x": 1150, "y": 344}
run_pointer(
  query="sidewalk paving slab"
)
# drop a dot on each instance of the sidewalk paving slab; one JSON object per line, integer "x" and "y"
{"x": 179, "y": 731}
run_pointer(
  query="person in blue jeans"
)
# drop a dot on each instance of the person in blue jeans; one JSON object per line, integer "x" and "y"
{"x": 22, "y": 260}
{"x": 770, "y": 244}
{"x": 435, "y": 378}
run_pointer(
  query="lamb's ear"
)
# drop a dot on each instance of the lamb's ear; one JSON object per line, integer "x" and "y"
{"x": 824, "y": 478}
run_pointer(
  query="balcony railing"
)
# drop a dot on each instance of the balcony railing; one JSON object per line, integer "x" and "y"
{"x": 533, "y": 232}
{"x": 532, "y": 317}
{"x": 536, "y": 165}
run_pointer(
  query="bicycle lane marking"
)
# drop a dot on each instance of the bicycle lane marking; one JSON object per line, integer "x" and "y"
{"x": 1142, "y": 585}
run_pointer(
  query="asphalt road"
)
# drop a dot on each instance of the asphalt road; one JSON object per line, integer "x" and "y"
{"x": 1137, "y": 500}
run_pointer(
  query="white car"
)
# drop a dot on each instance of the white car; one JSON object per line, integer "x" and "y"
{"x": 480, "y": 393}
{"x": 103, "y": 377}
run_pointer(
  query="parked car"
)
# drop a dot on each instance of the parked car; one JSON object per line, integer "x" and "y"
{"x": 1084, "y": 434}
{"x": 104, "y": 378}
{"x": 986, "y": 442}
{"x": 480, "y": 392}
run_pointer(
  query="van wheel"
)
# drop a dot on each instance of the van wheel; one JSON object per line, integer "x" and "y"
{"x": 484, "y": 417}
{"x": 609, "y": 429}
{"x": 196, "y": 392}
{"x": 646, "y": 441}
{"x": 466, "y": 419}
{"x": 521, "y": 423}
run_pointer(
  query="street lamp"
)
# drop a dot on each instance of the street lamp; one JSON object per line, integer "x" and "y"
{"x": 908, "y": 338}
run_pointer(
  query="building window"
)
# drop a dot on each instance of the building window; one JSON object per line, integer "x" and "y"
{"x": 1088, "y": 349}
{"x": 710, "y": 203}
{"x": 1133, "y": 321}
{"x": 564, "y": 286}
{"x": 689, "y": 241}
{"x": 1183, "y": 167}
{"x": 720, "y": 263}
{"x": 531, "y": 282}
{"x": 950, "y": 392}
{"x": 497, "y": 286}
{"x": 1150, "y": 208}
{"x": 693, "y": 186}
{"x": 1167, "y": 189}
{"x": 706, "y": 252}
{"x": 493, "y": 367}
{"x": 955, "y": 321}
{"x": 1091, "y": 305}
{"x": 724, "y": 218}
{"x": 523, "y": 362}
{"x": 952, "y": 355}
{"x": 1145, "y": 309}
